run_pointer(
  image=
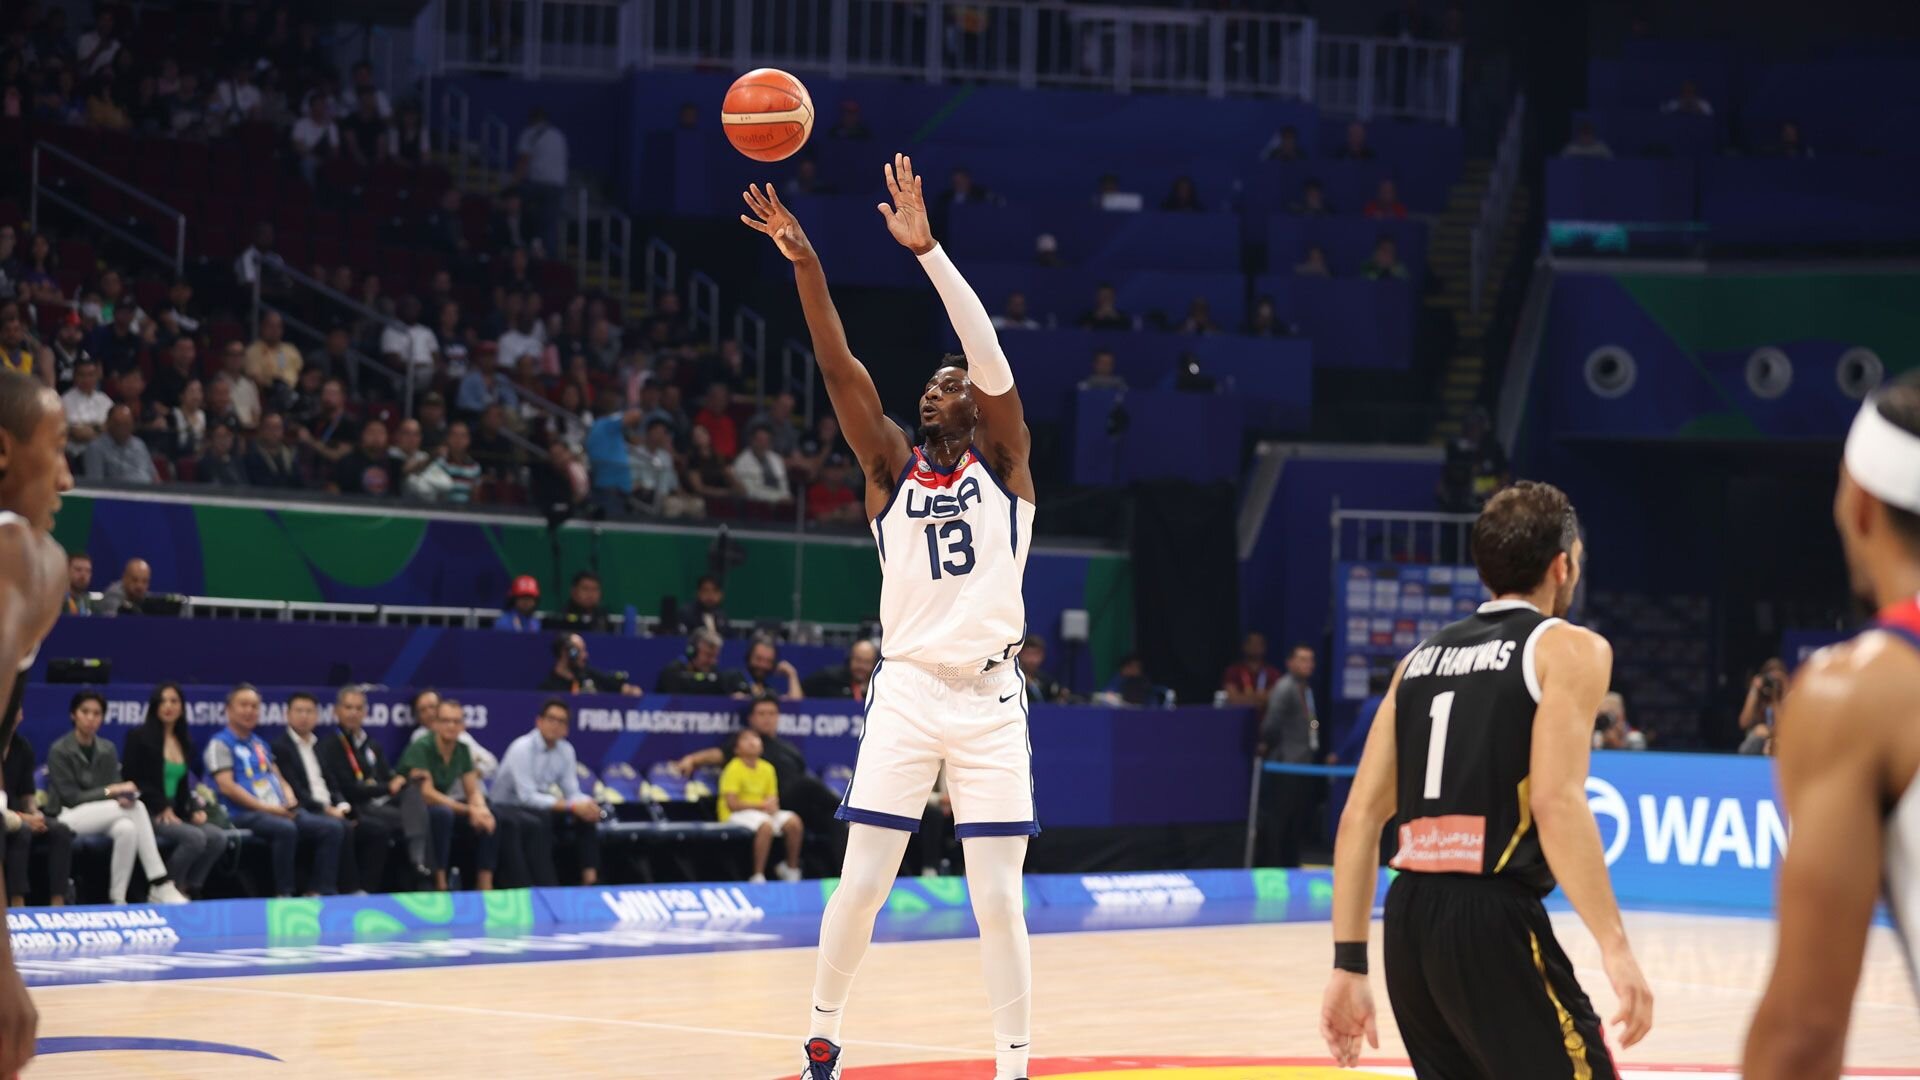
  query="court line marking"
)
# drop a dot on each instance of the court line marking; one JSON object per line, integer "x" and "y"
{"x": 474, "y": 1010}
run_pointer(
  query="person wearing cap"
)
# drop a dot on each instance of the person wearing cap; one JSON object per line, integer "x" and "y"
{"x": 522, "y": 615}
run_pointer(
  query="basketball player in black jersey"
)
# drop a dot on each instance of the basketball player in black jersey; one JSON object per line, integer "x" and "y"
{"x": 1479, "y": 754}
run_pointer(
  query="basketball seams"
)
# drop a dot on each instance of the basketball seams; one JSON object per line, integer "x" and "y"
{"x": 767, "y": 114}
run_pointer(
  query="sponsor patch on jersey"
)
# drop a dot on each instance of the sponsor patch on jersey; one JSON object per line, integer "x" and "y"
{"x": 1448, "y": 844}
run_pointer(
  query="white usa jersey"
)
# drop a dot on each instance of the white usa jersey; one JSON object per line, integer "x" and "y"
{"x": 953, "y": 557}
{"x": 1901, "y": 840}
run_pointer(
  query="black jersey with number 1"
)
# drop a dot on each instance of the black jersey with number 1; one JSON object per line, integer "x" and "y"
{"x": 1464, "y": 739}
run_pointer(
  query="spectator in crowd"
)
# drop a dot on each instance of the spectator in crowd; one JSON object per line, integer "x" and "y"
{"x": 750, "y": 799}
{"x": 69, "y": 351}
{"x": 760, "y": 473}
{"x": 453, "y": 474}
{"x": 1765, "y": 691}
{"x": 87, "y": 795}
{"x": 368, "y": 469}
{"x": 1284, "y": 146}
{"x": 26, "y": 824}
{"x": 763, "y": 666}
{"x": 86, "y": 407}
{"x": 362, "y": 85}
{"x": 1611, "y": 730}
{"x": 805, "y": 179}
{"x": 1688, "y": 102}
{"x": 221, "y": 465}
{"x": 1385, "y": 263}
{"x": 572, "y": 672}
{"x": 484, "y": 385}
{"x": 271, "y": 463}
{"x": 1586, "y": 143}
{"x": 1250, "y": 679}
{"x": 850, "y": 125}
{"x": 316, "y": 139}
{"x": 1131, "y": 685}
{"x": 962, "y": 188}
{"x": 609, "y": 462}
{"x": 406, "y": 453}
{"x": 271, "y": 359}
{"x": 411, "y": 345}
{"x": 243, "y": 394}
{"x": 79, "y": 584}
{"x": 537, "y": 791}
{"x": 1475, "y": 468}
{"x": 236, "y": 100}
{"x": 119, "y": 457}
{"x": 1356, "y": 148}
{"x": 181, "y": 368}
{"x": 1312, "y": 201}
{"x": 162, "y": 765}
{"x": 1183, "y": 196}
{"x": 1290, "y": 732}
{"x": 15, "y": 353}
{"x": 1385, "y": 204}
{"x": 424, "y": 707}
{"x": 148, "y": 418}
{"x": 809, "y": 797}
{"x": 699, "y": 671}
{"x": 715, "y": 416}
{"x": 1100, "y": 373}
{"x": 1789, "y": 144}
{"x": 1046, "y": 250}
{"x": 1015, "y": 316}
{"x": 708, "y": 474}
{"x": 1313, "y": 264}
{"x": 583, "y": 610}
{"x": 125, "y": 596}
{"x": 1042, "y": 687}
{"x": 357, "y": 771}
{"x": 443, "y": 766}
{"x": 432, "y": 414}
{"x": 1199, "y": 318}
{"x": 656, "y": 478}
{"x": 1103, "y": 315}
{"x": 176, "y": 316}
{"x": 496, "y": 453}
{"x": 541, "y": 171}
{"x": 523, "y": 607}
{"x": 832, "y": 497}
{"x": 257, "y": 798}
{"x": 848, "y": 680}
{"x": 367, "y": 135}
{"x": 97, "y": 48}
{"x": 559, "y": 484}
{"x": 362, "y": 863}
{"x": 708, "y": 609}
{"x": 777, "y": 417}
{"x": 816, "y": 446}
{"x": 262, "y": 261}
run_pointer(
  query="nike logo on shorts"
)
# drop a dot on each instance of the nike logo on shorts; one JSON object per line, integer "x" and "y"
{"x": 1009, "y": 697}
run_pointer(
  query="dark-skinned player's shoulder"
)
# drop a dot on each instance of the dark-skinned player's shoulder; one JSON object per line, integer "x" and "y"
{"x": 1852, "y": 690}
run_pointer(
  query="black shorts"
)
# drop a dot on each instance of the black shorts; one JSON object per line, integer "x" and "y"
{"x": 1480, "y": 987}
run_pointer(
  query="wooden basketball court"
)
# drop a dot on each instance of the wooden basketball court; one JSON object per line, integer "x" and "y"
{"x": 1118, "y": 1001}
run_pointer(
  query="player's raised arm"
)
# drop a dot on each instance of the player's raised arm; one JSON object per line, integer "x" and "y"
{"x": 1346, "y": 1010}
{"x": 1574, "y": 666}
{"x": 877, "y": 441}
{"x": 1831, "y": 776}
{"x": 1003, "y": 420}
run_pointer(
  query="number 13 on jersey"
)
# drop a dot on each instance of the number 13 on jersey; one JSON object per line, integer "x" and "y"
{"x": 950, "y": 548}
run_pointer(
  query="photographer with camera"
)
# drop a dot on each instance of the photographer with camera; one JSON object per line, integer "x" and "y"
{"x": 572, "y": 675}
{"x": 1764, "y": 694}
{"x": 1611, "y": 730}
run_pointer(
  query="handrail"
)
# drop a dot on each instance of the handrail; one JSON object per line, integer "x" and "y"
{"x": 456, "y": 113}
{"x": 179, "y": 259}
{"x": 793, "y": 355}
{"x": 750, "y": 330}
{"x": 703, "y": 305}
{"x": 662, "y": 269}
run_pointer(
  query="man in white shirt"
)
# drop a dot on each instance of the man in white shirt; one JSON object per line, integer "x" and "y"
{"x": 760, "y": 471}
{"x": 526, "y": 338}
{"x": 86, "y": 406}
{"x": 242, "y": 393}
{"x": 260, "y": 258}
{"x": 538, "y": 789}
{"x": 412, "y": 345}
{"x": 316, "y": 138}
{"x": 236, "y": 100}
{"x": 98, "y": 46}
{"x": 297, "y": 752}
{"x": 541, "y": 173}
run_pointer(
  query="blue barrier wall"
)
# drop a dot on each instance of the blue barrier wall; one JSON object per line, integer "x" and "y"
{"x": 1093, "y": 767}
{"x": 1689, "y": 829}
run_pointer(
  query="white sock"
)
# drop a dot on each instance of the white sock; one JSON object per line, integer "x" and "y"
{"x": 993, "y": 879}
{"x": 846, "y": 928}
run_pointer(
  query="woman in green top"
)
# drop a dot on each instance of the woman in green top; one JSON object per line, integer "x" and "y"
{"x": 161, "y": 762}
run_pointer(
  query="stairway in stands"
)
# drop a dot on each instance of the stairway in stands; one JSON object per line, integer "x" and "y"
{"x": 1450, "y": 255}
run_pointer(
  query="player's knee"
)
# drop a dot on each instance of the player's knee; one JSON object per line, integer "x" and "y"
{"x": 995, "y": 907}
{"x": 863, "y": 893}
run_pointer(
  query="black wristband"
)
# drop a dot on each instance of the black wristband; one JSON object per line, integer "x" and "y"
{"x": 1350, "y": 956}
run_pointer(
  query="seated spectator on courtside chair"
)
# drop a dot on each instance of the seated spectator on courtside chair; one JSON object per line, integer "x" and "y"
{"x": 358, "y": 772}
{"x": 699, "y": 671}
{"x": 118, "y": 456}
{"x": 79, "y": 584}
{"x": 363, "y": 863}
{"x": 25, "y": 824}
{"x": 1041, "y": 685}
{"x": 161, "y": 763}
{"x": 258, "y": 798}
{"x": 764, "y": 665}
{"x": 848, "y": 680}
{"x": 538, "y": 791}
{"x": 801, "y": 791}
{"x": 583, "y": 610}
{"x": 442, "y": 766}
{"x": 1250, "y": 679}
{"x": 523, "y": 607}
{"x": 708, "y": 608}
{"x": 85, "y": 792}
{"x": 571, "y": 674}
{"x": 425, "y": 711}
{"x": 750, "y": 799}
{"x": 124, "y": 597}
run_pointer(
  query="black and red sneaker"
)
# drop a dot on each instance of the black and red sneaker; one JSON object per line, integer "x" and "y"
{"x": 823, "y": 1060}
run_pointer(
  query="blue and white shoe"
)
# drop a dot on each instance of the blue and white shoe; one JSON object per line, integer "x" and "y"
{"x": 823, "y": 1060}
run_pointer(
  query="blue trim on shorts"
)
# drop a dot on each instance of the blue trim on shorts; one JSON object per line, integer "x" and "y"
{"x": 995, "y": 828}
{"x": 866, "y": 713}
{"x": 875, "y": 817}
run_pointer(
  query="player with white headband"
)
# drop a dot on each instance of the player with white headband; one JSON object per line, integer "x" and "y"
{"x": 1848, "y": 743}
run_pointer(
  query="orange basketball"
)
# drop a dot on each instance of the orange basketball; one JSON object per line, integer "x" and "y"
{"x": 767, "y": 114}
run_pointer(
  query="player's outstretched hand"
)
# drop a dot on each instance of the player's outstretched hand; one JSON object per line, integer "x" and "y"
{"x": 775, "y": 220}
{"x": 907, "y": 217}
{"x": 1636, "y": 997}
{"x": 1346, "y": 1017}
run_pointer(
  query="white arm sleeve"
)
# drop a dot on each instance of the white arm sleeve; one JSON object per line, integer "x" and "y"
{"x": 987, "y": 366}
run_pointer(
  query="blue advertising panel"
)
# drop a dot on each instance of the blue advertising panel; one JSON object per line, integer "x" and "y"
{"x": 1689, "y": 829}
{"x": 1383, "y": 609}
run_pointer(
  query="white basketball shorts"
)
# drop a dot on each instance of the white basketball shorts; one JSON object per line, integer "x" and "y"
{"x": 977, "y": 725}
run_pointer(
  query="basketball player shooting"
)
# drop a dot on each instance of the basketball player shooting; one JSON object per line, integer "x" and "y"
{"x": 1849, "y": 757}
{"x": 1480, "y": 751}
{"x": 33, "y": 581}
{"x": 952, "y": 516}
